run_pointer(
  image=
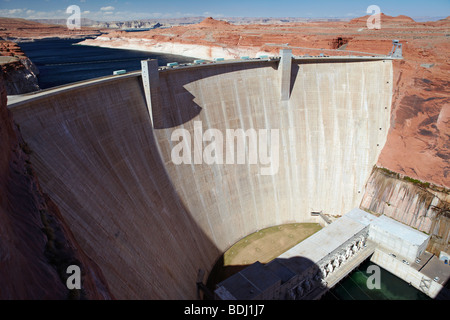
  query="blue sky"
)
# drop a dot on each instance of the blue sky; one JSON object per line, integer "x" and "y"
{"x": 142, "y": 9}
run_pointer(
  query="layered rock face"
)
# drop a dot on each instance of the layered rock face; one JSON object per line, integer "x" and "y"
{"x": 418, "y": 145}
{"x": 18, "y": 72}
{"x": 134, "y": 24}
{"x": 36, "y": 247}
{"x": 420, "y": 205}
{"x": 13, "y": 29}
{"x": 19, "y": 77}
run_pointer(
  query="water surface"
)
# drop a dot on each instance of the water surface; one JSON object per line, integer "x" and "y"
{"x": 62, "y": 61}
{"x": 354, "y": 287}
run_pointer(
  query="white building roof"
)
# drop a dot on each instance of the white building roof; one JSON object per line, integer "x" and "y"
{"x": 330, "y": 238}
{"x": 361, "y": 216}
{"x": 400, "y": 230}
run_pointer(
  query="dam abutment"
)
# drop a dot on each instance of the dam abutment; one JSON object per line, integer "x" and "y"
{"x": 285, "y": 73}
{"x": 150, "y": 81}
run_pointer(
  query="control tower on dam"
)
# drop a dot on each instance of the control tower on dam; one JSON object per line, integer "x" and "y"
{"x": 136, "y": 165}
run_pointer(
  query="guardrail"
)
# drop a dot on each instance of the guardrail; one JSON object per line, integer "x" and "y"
{"x": 323, "y": 49}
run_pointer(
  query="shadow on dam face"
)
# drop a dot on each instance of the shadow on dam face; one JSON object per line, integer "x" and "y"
{"x": 98, "y": 159}
{"x": 149, "y": 224}
{"x": 176, "y": 106}
{"x": 296, "y": 278}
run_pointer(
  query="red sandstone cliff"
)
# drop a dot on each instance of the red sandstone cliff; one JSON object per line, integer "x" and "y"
{"x": 36, "y": 247}
{"x": 18, "y": 72}
{"x": 401, "y": 19}
{"x": 14, "y": 28}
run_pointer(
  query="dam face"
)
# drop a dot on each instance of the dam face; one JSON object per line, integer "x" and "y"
{"x": 151, "y": 224}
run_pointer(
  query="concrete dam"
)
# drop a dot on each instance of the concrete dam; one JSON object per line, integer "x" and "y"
{"x": 102, "y": 150}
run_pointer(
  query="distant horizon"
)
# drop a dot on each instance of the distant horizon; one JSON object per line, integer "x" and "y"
{"x": 417, "y": 19}
{"x": 117, "y": 10}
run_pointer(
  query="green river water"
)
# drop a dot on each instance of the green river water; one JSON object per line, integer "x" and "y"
{"x": 354, "y": 287}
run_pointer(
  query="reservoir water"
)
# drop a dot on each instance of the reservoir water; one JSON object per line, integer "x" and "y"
{"x": 62, "y": 61}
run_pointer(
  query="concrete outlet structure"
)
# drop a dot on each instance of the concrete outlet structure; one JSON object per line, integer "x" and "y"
{"x": 102, "y": 151}
{"x": 307, "y": 270}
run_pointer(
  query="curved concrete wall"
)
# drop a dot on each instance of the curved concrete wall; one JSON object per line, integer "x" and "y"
{"x": 151, "y": 224}
{"x": 96, "y": 157}
{"x": 330, "y": 132}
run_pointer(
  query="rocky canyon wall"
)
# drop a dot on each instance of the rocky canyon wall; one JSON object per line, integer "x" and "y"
{"x": 18, "y": 72}
{"x": 420, "y": 205}
{"x": 36, "y": 247}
